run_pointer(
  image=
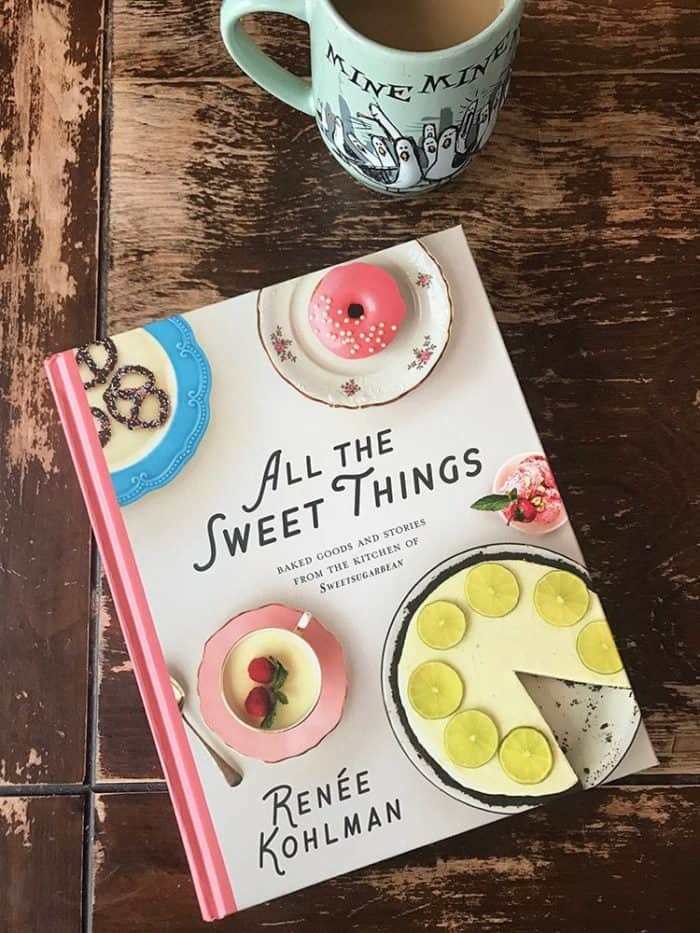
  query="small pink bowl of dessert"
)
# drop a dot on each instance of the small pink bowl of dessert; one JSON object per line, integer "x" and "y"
{"x": 272, "y": 682}
{"x": 538, "y": 508}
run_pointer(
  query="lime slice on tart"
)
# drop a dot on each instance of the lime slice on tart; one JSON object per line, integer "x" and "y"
{"x": 561, "y": 598}
{"x": 441, "y": 624}
{"x": 471, "y": 738}
{"x": 492, "y": 590}
{"x": 526, "y": 756}
{"x": 596, "y": 648}
{"x": 435, "y": 690}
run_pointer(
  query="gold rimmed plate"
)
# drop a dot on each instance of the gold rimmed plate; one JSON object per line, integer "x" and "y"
{"x": 305, "y": 364}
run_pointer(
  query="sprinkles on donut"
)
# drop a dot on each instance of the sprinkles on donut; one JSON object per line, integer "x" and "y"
{"x": 356, "y": 310}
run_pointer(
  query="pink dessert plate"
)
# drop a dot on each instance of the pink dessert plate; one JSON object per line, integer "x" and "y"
{"x": 272, "y": 745}
{"x": 527, "y": 528}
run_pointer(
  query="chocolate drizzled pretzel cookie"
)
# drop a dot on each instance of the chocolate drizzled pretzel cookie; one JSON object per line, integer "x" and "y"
{"x": 136, "y": 396}
{"x": 100, "y": 373}
{"x": 104, "y": 431}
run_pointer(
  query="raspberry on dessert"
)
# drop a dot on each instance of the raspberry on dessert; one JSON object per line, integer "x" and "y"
{"x": 261, "y": 670}
{"x": 257, "y": 703}
{"x": 522, "y": 510}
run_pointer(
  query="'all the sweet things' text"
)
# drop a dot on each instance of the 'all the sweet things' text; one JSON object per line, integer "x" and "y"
{"x": 357, "y": 478}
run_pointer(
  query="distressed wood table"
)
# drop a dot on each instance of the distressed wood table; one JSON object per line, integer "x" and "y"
{"x": 143, "y": 175}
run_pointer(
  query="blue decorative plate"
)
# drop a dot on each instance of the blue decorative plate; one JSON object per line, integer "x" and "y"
{"x": 188, "y": 421}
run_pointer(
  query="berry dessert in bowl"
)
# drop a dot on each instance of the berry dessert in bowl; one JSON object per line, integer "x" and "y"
{"x": 526, "y": 494}
{"x": 271, "y": 678}
{"x": 272, "y": 682}
{"x": 362, "y": 333}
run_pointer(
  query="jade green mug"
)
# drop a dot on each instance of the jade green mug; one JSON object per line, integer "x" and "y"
{"x": 400, "y": 122}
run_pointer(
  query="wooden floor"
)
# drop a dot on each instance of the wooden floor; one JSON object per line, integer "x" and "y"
{"x": 142, "y": 175}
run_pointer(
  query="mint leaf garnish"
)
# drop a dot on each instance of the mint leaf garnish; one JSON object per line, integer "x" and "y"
{"x": 280, "y": 675}
{"x": 274, "y": 692}
{"x": 269, "y": 719}
{"x": 492, "y": 503}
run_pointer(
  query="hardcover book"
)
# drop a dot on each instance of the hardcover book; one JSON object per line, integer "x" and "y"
{"x": 344, "y": 571}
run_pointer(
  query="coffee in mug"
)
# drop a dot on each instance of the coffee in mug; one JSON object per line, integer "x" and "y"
{"x": 419, "y": 25}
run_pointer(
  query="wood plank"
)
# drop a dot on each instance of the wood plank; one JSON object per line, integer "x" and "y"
{"x": 125, "y": 749}
{"x": 545, "y": 870}
{"x": 582, "y": 227}
{"x": 50, "y": 129}
{"x": 580, "y": 215}
{"x": 127, "y": 753}
{"x": 41, "y": 846}
{"x": 178, "y": 39}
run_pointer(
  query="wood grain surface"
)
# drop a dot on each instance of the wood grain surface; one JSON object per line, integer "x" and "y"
{"x": 582, "y": 866}
{"x": 590, "y": 224}
{"x": 162, "y": 179}
{"x": 41, "y": 844}
{"x": 168, "y": 41}
{"x": 50, "y": 95}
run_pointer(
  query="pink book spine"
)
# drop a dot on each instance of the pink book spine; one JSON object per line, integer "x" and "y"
{"x": 206, "y": 862}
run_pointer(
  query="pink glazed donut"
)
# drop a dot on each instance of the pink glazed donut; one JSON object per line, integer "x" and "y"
{"x": 356, "y": 310}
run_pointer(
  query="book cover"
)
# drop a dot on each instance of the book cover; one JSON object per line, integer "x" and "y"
{"x": 357, "y": 611}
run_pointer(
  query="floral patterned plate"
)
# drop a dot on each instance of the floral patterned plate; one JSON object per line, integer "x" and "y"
{"x": 302, "y": 361}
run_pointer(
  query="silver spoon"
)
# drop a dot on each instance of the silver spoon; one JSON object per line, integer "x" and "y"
{"x": 232, "y": 776}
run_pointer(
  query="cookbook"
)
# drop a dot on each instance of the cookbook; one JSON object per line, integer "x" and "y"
{"x": 344, "y": 570}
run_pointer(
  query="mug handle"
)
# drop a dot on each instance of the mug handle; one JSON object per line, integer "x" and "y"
{"x": 260, "y": 67}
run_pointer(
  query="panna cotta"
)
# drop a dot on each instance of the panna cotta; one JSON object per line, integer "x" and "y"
{"x": 271, "y": 679}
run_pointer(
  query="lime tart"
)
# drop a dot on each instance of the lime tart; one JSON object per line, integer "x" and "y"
{"x": 459, "y": 654}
